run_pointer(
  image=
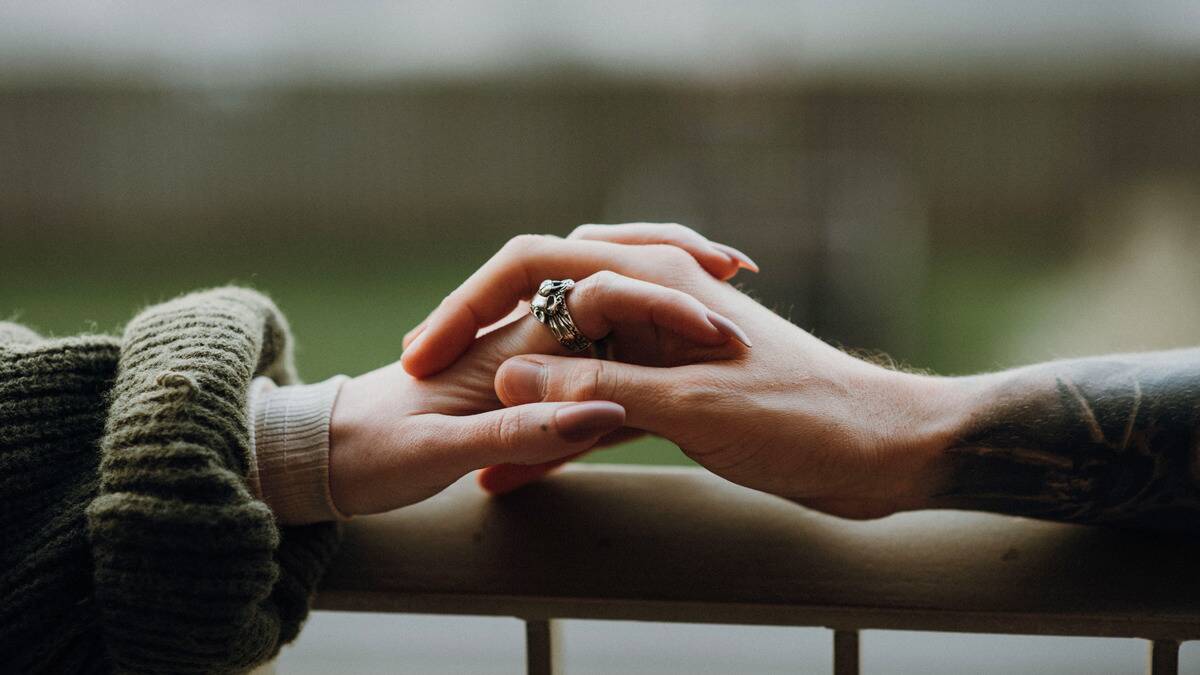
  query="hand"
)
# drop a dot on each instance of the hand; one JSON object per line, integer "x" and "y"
{"x": 792, "y": 416}
{"x": 396, "y": 439}
{"x": 513, "y": 274}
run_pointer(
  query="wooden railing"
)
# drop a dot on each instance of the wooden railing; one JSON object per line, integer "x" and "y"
{"x": 681, "y": 545}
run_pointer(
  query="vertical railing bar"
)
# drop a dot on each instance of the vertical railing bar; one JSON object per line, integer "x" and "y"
{"x": 1164, "y": 657}
{"x": 845, "y": 652}
{"x": 543, "y": 647}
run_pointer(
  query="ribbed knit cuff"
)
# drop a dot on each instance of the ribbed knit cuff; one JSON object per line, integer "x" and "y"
{"x": 290, "y": 471}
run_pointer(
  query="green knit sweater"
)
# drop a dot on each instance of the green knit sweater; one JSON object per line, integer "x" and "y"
{"x": 131, "y": 542}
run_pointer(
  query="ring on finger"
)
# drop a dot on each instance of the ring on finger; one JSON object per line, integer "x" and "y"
{"x": 549, "y": 306}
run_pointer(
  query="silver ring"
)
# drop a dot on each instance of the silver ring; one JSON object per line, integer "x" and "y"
{"x": 549, "y": 306}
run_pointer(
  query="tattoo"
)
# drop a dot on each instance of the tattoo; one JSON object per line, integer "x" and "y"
{"x": 1111, "y": 440}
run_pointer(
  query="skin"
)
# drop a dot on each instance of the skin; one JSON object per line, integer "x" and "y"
{"x": 396, "y": 439}
{"x": 1112, "y": 440}
{"x": 1108, "y": 440}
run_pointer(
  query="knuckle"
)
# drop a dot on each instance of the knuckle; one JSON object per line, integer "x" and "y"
{"x": 584, "y": 231}
{"x": 679, "y": 231}
{"x": 672, "y": 256}
{"x": 523, "y": 243}
{"x": 587, "y": 381}
{"x": 605, "y": 279}
{"x": 596, "y": 286}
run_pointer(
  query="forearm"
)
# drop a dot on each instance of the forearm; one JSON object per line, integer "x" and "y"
{"x": 1110, "y": 439}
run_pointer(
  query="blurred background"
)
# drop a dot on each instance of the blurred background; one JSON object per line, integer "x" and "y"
{"x": 961, "y": 184}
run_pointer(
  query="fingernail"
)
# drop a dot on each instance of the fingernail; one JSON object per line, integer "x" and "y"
{"x": 742, "y": 259}
{"x": 524, "y": 381}
{"x": 413, "y": 334}
{"x": 728, "y": 328}
{"x": 593, "y": 419}
{"x": 416, "y": 341}
{"x": 728, "y": 258}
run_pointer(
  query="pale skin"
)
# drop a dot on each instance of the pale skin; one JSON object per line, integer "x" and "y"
{"x": 1109, "y": 440}
{"x": 396, "y": 439}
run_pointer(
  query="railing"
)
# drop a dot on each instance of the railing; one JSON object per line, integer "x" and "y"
{"x": 682, "y": 545}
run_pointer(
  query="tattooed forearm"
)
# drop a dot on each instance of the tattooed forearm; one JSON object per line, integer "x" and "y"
{"x": 1106, "y": 440}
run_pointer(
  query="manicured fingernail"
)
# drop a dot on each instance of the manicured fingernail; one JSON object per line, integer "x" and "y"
{"x": 416, "y": 341}
{"x": 743, "y": 260}
{"x": 523, "y": 381}
{"x": 728, "y": 258}
{"x": 592, "y": 419}
{"x": 414, "y": 334}
{"x": 728, "y": 328}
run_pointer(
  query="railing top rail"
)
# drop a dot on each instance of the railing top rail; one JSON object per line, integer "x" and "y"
{"x": 683, "y": 545}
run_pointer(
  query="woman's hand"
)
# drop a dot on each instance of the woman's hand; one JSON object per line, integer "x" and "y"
{"x": 649, "y": 251}
{"x": 396, "y": 439}
{"x": 792, "y": 416}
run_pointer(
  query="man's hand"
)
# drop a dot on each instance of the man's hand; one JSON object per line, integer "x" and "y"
{"x": 792, "y": 416}
{"x": 1111, "y": 439}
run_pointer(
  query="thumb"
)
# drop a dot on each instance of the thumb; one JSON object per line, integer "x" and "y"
{"x": 535, "y": 433}
{"x": 640, "y": 390}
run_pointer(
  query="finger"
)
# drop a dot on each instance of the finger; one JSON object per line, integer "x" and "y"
{"x": 412, "y": 334}
{"x": 525, "y": 434}
{"x": 644, "y": 392}
{"x": 519, "y": 312}
{"x": 744, "y": 261}
{"x": 622, "y": 435}
{"x": 514, "y": 274}
{"x": 721, "y": 261}
{"x": 607, "y": 299}
{"x": 504, "y": 478}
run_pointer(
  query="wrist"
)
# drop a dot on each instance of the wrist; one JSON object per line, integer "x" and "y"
{"x": 929, "y": 415}
{"x": 368, "y": 450}
{"x": 348, "y": 428}
{"x": 291, "y": 448}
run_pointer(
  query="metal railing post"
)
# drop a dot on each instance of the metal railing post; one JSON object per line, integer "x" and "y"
{"x": 845, "y": 652}
{"x": 1164, "y": 657}
{"x": 543, "y": 647}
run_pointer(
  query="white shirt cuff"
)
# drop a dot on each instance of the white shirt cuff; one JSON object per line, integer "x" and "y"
{"x": 290, "y": 449}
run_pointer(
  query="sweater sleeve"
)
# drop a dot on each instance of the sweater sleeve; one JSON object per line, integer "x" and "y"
{"x": 13, "y": 334}
{"x": 53, "y": 404}
{"x": 191, "y": 572}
